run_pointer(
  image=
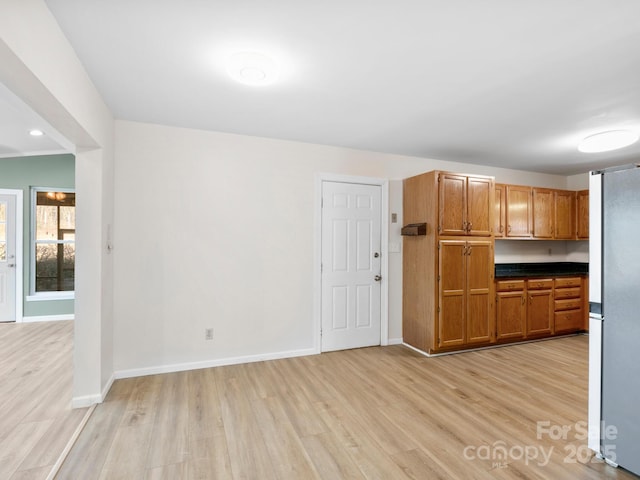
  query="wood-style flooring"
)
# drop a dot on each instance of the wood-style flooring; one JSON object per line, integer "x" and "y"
{"x": 374, "y": 413}
{"x": 36, "y": 419}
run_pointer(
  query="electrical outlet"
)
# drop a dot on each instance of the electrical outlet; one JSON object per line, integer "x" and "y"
{"x": 208, "y": 334}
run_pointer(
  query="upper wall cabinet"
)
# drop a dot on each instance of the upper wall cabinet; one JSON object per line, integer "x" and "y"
{"x": 542, "y": 213}
{"x": 499, "y": 211}
{"x": 466, "y": 205}
{"x": 582, "y": 214}
{"x": 518, "y": 211}
{"x": 564, "y": 215}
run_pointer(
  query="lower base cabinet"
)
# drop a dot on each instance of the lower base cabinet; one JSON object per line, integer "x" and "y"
{"x": 511, "y": 314}
{"x": 529, "y": 308}
{"x": 539, "y": 307}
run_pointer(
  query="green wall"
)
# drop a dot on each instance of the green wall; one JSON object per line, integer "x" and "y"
{"x": 38, "y": 171}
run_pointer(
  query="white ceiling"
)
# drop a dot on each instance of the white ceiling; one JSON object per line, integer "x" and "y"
{"x": 507, "y": 83}
{"x": 16, "y": 121}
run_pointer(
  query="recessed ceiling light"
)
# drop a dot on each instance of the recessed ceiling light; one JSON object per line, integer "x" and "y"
{"x": 36, "y": 133}
{"x": 606, "y": 141}
{"x": 252, "y": 68}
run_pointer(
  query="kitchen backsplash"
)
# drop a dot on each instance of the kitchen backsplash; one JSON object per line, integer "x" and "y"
{"x": 533, "y": 251}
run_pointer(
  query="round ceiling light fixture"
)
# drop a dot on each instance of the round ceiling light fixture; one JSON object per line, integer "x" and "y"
{"x": 252, "y": 68}
{"x": 36, "y": 133}
{"x": 606, "y": 141}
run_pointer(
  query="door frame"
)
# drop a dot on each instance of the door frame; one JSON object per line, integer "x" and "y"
{"x": 18, "y": 193}
{"x": 320, "y": 178}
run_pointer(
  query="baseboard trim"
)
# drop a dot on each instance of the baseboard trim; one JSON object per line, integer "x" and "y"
{"x": 181, "y": 367}
{"x": 107, "y": 387}
{"x": 85, "y": 401}
{"x": 395, "y": 341}
{"x": 48, "y": 318}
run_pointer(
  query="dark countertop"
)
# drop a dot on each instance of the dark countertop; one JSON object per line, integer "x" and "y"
{"x": 556, "y": 269}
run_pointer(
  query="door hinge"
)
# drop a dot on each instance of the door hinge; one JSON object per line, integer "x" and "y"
{"x": 322, "y": 202}
{"x": 321, "y": 267}
{"x": 438, "y": 277}
{"x": 438, "y": 309}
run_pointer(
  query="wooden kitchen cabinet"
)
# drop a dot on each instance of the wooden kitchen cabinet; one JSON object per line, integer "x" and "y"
{"x": 531, "y": 308}
{"x": 540, "y": 213}
{"x": 448, "y": 286}
{"x": 499, "y": 212}
{"x": 568, "y": 302}
{"x": 582, "y": 214}
{"x": 542, "y": 199}
{"x": 511, "y": 310}
{"x": 539, "y": 307}
{"x": 518, "y": 211}
{"x": 466, "y": 281}
{"x": 564, "y": 215}
{"x": 466, "y": 206}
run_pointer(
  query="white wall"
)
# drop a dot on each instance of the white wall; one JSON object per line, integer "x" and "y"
{"x": 544, "y": 251}
{"x": 216, "y": 231}
{"x": 39, "y": 65}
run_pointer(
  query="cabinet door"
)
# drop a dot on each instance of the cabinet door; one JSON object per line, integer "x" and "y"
{"x": 499, "y": 211}
{"x": 564, "y": 215}
{"x": 452, "y": 292}
{"x": 569, "y": 321}
{"x": 542, "y": 213}
{"x": 479, "y": 311}
{"x": 511, "y": 311}
{"x": 453, "y": 201}
{"x": 518, "y": 211}
{"x": 480, "y": 196}
{"x": 582, "y": 200}
{"x": 539, "y": 312}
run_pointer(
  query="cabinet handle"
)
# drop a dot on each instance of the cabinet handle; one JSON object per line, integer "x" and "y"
{"x": 469, "y": 250}
{"x": 501, "y": 228}
{"x": 522, "y": 299}
{"x": 508, "y": 228}
{"x": 464, "y": 226}
{"x": 469, "y": 226}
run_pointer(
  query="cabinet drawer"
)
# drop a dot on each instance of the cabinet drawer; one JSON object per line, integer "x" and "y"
{"x": 509, "y": 285}
{"x": 568, "y": 282}
{"x": 539, "y": 284}
{"x": 568, "y": 304}
{"x": 567, "y": 293}
{"x": 569, "y": 320}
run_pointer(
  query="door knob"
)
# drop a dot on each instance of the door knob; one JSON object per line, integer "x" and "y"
{"x": 377, "y": 278}
{"x": 376, "y": 255}
{"x": 11, "y": 265}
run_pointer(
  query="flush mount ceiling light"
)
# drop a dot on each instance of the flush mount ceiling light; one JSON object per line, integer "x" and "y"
{"x": 36, "y": 133}
{"x": 606, "y": 141}
{"x": 252, "y": 68}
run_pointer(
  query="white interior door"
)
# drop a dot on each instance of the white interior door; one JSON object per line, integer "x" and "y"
{"x": 351, "y": 265}
{"x": 7, "y": 258}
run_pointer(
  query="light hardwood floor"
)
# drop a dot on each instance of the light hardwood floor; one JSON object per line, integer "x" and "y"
{"x": 374, "y": 413}
{"x": 36, "y": 371}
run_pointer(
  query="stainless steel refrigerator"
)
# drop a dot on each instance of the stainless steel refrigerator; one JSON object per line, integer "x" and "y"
{"x": 614, "y": 296}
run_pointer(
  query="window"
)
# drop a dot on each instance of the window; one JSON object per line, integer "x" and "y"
{"x": 53, "y": 234}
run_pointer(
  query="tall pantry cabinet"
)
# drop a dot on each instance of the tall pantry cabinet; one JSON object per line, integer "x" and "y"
{"x": 448, "y": 286}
